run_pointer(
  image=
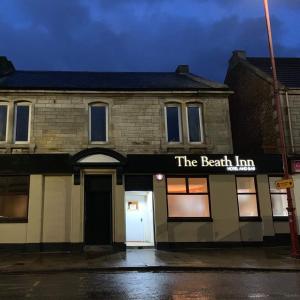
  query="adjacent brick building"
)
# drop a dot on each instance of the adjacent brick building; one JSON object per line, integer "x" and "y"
{"x": 251, "y": 105}
{"x": 253, "y": 115}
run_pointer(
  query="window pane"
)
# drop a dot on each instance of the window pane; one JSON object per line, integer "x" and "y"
{"x": 17, "y": 184}
{"x": 14, "y": 184}
{"x": 194, "y": 124}
{"x": 273, "y": 188}
{"x": 98, "y": 123}
{"x": 3, "y": 184}
{"x": 247, "y": 205}
{"x": 14, "y": 196}
{"x": 173, "y": 124}
{"x": 245, "y": 185}
{"x": 197, "y": 185}
{"x": 22, "y": 123}
{"x": 176, "y": 185}
{"x": 279, "y": 205}
{"x": 13, "y": 206}
{"x": 3, "y": 121}
{"x": 188, "y": 206}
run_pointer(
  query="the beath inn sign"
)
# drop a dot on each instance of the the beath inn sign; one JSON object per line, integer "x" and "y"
{"x": 235, "y": 164}
{"x": 203, "y": 164}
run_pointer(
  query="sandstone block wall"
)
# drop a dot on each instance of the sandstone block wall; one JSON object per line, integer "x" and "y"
{"x": 136, "y": 122}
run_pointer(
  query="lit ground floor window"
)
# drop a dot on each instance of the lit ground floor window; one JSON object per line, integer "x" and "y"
{"x": 278, "y": 199}
{"x": 188, "y": 197}
{"x": 13, "y": 197}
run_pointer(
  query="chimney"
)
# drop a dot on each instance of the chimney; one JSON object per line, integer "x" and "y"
{"x": 6, "y": 66}
{"x": 182, "y": 69}
{"x": 237, "y": 56}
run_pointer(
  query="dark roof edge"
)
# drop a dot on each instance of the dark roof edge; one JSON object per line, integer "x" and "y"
{"x": 209, "y": 83}
{"x": 236, "y": 60}
{"x": 94, "y": 72}
{"x": 208, "y": 89}
{"x": 262, "y": 74}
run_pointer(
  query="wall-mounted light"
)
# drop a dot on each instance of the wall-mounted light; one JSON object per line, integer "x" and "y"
{"x": 159, "y": 177}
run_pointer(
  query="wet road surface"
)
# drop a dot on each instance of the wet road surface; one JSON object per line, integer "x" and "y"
{"x": 151, "y": 285}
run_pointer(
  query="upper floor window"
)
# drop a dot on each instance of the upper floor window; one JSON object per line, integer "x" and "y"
{"x": 195, "y": 126}
{"x": 173, "y": 122}
{"x": 21, "y": 126}
{"x": 98, "y": 123}
{"x": 3, "y": 122}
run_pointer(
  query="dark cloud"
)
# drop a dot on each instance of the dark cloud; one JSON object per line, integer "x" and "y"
{"x": 114, "y": 3}
{"x": 63, "y": 35}
{"x": 55, "y": 15}
{"x": 272, "y": 3}
{"x": 291, "y": 3}
{"x": 109, "y": 3}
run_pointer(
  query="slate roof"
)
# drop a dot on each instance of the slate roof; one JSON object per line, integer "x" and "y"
{"x": 106, "y": 81}
{"x": 288, "y": 69}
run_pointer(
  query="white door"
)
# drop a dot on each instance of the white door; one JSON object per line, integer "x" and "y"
{"x": 135, "y": 210}
{"x": 139, "y": 218}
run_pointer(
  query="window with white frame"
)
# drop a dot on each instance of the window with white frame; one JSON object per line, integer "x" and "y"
{"x": 98, "y": 123}
{"x": 173, "y": 123}
{"x": 22, "y": 122}
{"x": 195, "y": 125}
{"x": 188, "y": 197}
{"x": 3, "y": 121}
{"x": 247, "y": 197}
{"x": 278, "y": 198}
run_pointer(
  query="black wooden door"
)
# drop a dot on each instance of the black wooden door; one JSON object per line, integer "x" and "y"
{"x": 98, "y": 210}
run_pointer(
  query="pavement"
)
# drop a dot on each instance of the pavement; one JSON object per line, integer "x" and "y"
{"x": 215, "y": 259}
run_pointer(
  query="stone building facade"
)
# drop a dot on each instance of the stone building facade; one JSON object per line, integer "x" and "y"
{"x": 125, "y": 159}
{"x": 60, "y": 121}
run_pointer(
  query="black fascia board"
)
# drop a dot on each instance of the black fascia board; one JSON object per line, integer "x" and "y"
{"x": 35, "y": 164}
{"x": 167, "y": 164}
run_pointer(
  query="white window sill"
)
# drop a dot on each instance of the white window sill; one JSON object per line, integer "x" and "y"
{"x": 98, "y": 143}
{"x": 186, "y": 145}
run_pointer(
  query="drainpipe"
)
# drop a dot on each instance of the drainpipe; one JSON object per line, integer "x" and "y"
{"x": 295, "y": 248}
{"x": 289, "y": 120}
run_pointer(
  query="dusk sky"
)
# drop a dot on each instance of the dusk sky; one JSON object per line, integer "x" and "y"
{"x": 142, "y": 35}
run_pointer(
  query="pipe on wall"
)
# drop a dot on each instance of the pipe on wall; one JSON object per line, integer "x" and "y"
{"x": 289, "y": 121}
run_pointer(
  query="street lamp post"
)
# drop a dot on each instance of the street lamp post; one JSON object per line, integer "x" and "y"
{"x": 291, "y": 210}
